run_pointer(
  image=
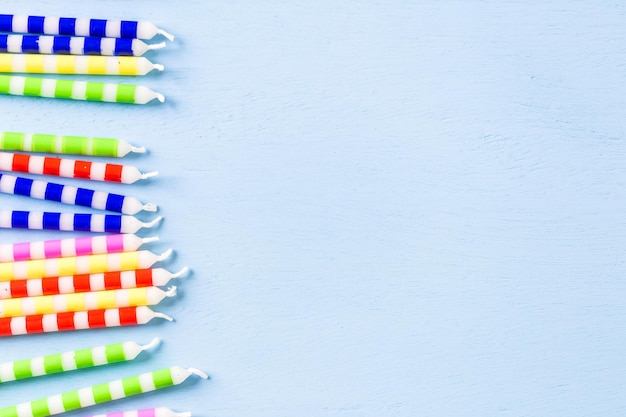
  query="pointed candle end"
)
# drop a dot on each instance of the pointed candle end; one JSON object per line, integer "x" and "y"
{"x": 155, "y": 342}
{"x": 171, "y": 292}
{"x": 167, "y": 35}
{"x": 166, "y": 254}
{"x": 163, "y": 316}
{"x": 154, "y": 46}
{"x": 153, "y": 222}
{"x": 150, "y": 239}
{"x": 180, "y": 273}
{"x": 150, "y": 207}
{"x": 136, "y": 149}
{"x": 198, "y": 372}
{"x": 149, "y": 175}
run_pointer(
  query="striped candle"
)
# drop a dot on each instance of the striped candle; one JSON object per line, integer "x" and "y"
{"x": 71, "y": 168}
{"x": 36, "y": 287}
{"x": 73, "y": 145}
{"x": 70, "y": 361}
{"x": 68, "y": 194}
{"x": 66, "y": 45}
{"x": 99, "y": 300}
{"x": 76, "y": 64}
{"x": 148, "y": 412}
{"x": 72, "y": 222}
{"x": 82, "y": 320}
{"x": 81, "y": 246}
{"x": 15, "y": 85}
{"x": 102, "y": 393}
{"x": 91, "y": 264}
{"x": 72, "y": 26}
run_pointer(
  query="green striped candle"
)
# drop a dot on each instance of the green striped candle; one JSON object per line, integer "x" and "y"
{"x": 102, "y": 393}
{"x": 66, "y": 144}
{"x": 70, "y": 361}
{"x": 77, "y": 90}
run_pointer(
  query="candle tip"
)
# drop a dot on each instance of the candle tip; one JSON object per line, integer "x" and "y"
{"x": 166, "y": 254}
{"x": 159, "y": 67}
{"x": 171, "y": 292}
{"x": 152, "y": 223}
{"x": 149, "y": 175}
{"x": 167, "y": 35}
{"x": 150, "y": 239}
{"x": 160, "y": 97}
{"x": 198, "y": 372}
{"x": 150, "y": 207}
{"x": 154, "y": 46}
{"x": 155, "y": 342}
{"x": 180, "y": 273}
{"x": 136, "y": 149}
{"x": 163, "y": 316}
{"x": 185, "y": 414}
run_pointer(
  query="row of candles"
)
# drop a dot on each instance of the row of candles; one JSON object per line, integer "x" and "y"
{"x": 83, "y": 282}
{"x": 53, "y": 45}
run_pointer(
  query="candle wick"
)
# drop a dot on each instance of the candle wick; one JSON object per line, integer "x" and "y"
{"x": 160, "y": 45}
{"x": 160, "y": 97}
{"x": 163, "y": 316}
{"x": 159, "y": 67}
{"x": 169, "y": 36}
{"x": 185, "y": 414}
{"x": 155, "y": 342}
{"x": 171, "y": 292}
{"x": 166, "y": 255}
{"x": 152, "y": 223}
{"x": 181, "y": 273}
{"x": 150, "y": 239}
{"x": 150, "y": 207}
{"x": 198, "y": 372}
{"x": 136, "y": 149}
{"x": 149, "y": 175}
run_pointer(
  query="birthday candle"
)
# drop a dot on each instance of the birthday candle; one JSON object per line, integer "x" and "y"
{"x": 93, "y": 319}
{"x": 62, "y": 248}
{"x": 72, "y": 26}
{"x": 67, "y": 194}
{"x": 72, "y": 222}
{"x": 76, "y": 64}
{"x": 91, "y": 264}
{"x": 102, "y": 393}
{"x": 70, "y": 361}
{"x": 71, "y": 168}
{"x": 36, "y": 287}
{"x": 148, "y": 412}
{"x": 77, "y": 145}
{"x": 66, "y": 45}
{"x": 16, "y": 85}
{"x": 99, "y": 300}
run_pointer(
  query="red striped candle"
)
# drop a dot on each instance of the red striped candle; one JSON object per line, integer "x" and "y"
{"x": 140, "y": 278}
{"x": 46, "y": 323}
{"x": 70, "y": 168}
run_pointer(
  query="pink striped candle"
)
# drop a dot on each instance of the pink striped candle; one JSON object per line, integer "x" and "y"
{"x": 148, "y": 412}
{"x": 62, "y": 248}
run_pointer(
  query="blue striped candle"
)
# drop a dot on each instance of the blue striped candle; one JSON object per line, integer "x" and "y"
{"x": 71, "y": 26}
{"x": 67, "y": 194}
{"x": 72, "y": 222}
{"x": 66, "y": 45}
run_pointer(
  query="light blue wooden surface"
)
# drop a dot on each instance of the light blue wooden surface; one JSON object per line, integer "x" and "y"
{"x": 392, "y": 208}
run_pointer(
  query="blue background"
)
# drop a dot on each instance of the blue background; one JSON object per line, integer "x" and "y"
{"x": 391, "y": 208}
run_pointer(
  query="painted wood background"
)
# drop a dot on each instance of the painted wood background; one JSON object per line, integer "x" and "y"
{"x": 392, "y": 208}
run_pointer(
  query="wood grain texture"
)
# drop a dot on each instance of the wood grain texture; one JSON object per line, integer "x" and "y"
{"x": 392, "y": 208}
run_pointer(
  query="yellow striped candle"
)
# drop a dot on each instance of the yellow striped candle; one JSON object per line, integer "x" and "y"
{"x": 92, "y": 264}
{"x": 73, "y": 64}
{"x": 71, "y": 303}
